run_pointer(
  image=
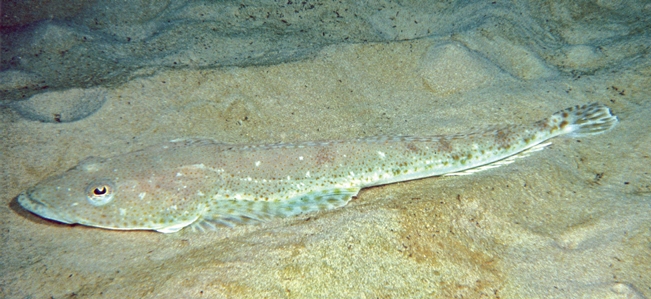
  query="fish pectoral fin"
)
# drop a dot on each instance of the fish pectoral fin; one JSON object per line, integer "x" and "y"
{"x": 233, "y": 212}
{"x": 176, "y": 227}
{"x": 505, "y": 161}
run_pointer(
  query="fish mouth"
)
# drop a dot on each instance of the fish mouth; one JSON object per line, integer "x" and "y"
{"x": 39, "y": 208}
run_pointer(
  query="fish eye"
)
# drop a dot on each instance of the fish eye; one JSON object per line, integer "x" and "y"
{"x": 99, "y": 193}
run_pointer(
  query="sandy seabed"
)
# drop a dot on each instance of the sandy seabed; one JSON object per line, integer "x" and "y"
{"x": 571, "y": 221}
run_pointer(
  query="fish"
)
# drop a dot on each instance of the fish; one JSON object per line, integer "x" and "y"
{"x": 206, "y": 184}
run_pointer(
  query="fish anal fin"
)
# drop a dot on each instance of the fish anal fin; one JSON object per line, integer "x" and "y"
{"x": 319, "y": 200}
{"x": 234, "y": 212}
{"x": 505, "y": 161}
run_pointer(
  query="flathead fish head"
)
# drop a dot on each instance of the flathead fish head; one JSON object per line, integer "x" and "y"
{"x": 124, "y": 193}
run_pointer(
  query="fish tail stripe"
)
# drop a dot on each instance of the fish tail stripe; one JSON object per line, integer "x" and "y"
{"x": 586, "y": 120}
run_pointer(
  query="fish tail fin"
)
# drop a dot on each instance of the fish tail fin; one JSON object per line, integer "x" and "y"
{"x": 586, "y": 120}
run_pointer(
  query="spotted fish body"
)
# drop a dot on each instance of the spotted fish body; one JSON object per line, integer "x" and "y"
{"x": 201, "y": 183}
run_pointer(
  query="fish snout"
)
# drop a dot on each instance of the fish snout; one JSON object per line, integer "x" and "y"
{"x": 38, "y": 207}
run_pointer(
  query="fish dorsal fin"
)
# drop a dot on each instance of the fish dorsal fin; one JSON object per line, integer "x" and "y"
{"x": 195, "y": 141}
{"x": 502, "y": 162}
{"x": 232, "y": 212}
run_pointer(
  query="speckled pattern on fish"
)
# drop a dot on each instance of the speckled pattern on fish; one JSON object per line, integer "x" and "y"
{"x": 200, "y": 183}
